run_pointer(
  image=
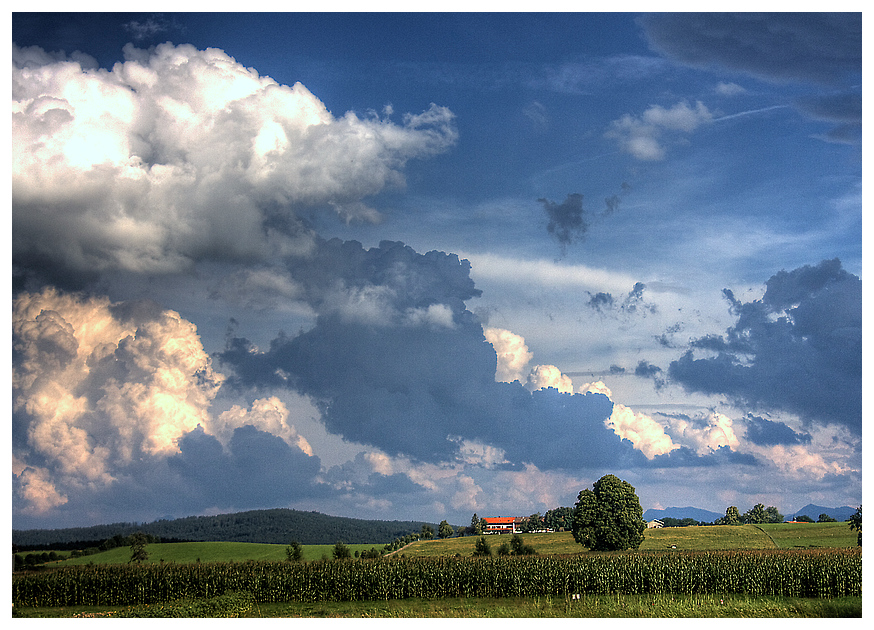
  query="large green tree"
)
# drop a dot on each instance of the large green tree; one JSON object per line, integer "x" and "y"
{"x": 533, "y": 523}
{"x": 609, "y": 517}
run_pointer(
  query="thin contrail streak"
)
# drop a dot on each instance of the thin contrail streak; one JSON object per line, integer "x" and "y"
{"x": 751, "y": 111}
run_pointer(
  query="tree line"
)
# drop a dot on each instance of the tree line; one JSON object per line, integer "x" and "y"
{"x": 276, "y": 526}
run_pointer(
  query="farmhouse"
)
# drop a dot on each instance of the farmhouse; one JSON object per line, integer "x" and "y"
{"x": 502, "y": 524}
{"x": 654, "y": 524}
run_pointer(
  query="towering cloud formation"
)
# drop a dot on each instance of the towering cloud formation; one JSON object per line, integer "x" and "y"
{"x": 100, "y": 388}
{"x": 180, "y": 155}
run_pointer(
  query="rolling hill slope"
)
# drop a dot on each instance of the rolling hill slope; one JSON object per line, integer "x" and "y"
{"x": 278, "y": 526}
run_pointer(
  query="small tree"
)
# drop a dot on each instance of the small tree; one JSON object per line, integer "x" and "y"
{"x": 825, "y": 518}
{"x": 427, "y": 532}
{"x": 476, "y": 528}
{"x": 804, "y": 518}
{"x": 482, "y": 547}
{"x": 609, "y": 517}
{"x": 732, "y": 517}
{"x": 445, "y": 530}
{"x": 341, "y": 551}
{"x": 294, "y": 552}
{"x": 138, "y": 542}
{"x": 519, "y": 548}
{"x": 856, "y": 524}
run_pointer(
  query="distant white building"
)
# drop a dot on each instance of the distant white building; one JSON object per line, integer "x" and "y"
{"x": 654, "y": 524}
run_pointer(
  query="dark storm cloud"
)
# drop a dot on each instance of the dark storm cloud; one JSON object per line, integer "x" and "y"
{"x": 259, "y": 469}
{"x": 412, "y": 391}
{"x": 686, "y": 457}
{"x": 819, "y": 47}
{"x": 396, "y": 361}
{"x": 421, "y": 386}
{"x": 798, "y": 349}
{"x": 768, "y": 433}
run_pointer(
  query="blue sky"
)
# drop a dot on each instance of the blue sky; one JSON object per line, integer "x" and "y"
{"x": 417, "y": 266}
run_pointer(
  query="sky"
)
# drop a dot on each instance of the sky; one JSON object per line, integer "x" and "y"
{"x": 420, "y": 266}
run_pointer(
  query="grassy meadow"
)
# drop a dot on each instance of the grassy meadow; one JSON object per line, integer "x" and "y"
{"x": 810, "y": 535}
{"x": 188, "y": 552}
{"x": 705, "y": 538}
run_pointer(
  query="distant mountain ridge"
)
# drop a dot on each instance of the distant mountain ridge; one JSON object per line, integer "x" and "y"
{"x": 813, "y": 511}
{"x": 277, "y": 526}
{"x": 706, "y": 516}
{"x": 703, "y": 516}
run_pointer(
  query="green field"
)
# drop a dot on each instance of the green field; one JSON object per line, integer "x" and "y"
{"x": 189, "y": 552}
{"x": 711, "y": 537}
{"x": 716, "y": 537}
{"x": 810, "y": 535}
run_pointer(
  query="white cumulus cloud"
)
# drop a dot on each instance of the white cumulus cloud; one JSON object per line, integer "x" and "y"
{"x": 643, "y": 136}
{"x": 705, "y": 434}
{"x": 179, "y": 154}
{"x": 513, "y": 354}
{"x": 647, "y": 435}
{"x": 543, "y": 376}
{"x": 99, "y": 387}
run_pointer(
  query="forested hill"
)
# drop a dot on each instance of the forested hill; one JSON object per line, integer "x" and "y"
{"x": 279, "y": 526}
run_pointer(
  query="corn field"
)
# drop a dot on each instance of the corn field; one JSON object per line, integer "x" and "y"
{"x": 795, "y": 573}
